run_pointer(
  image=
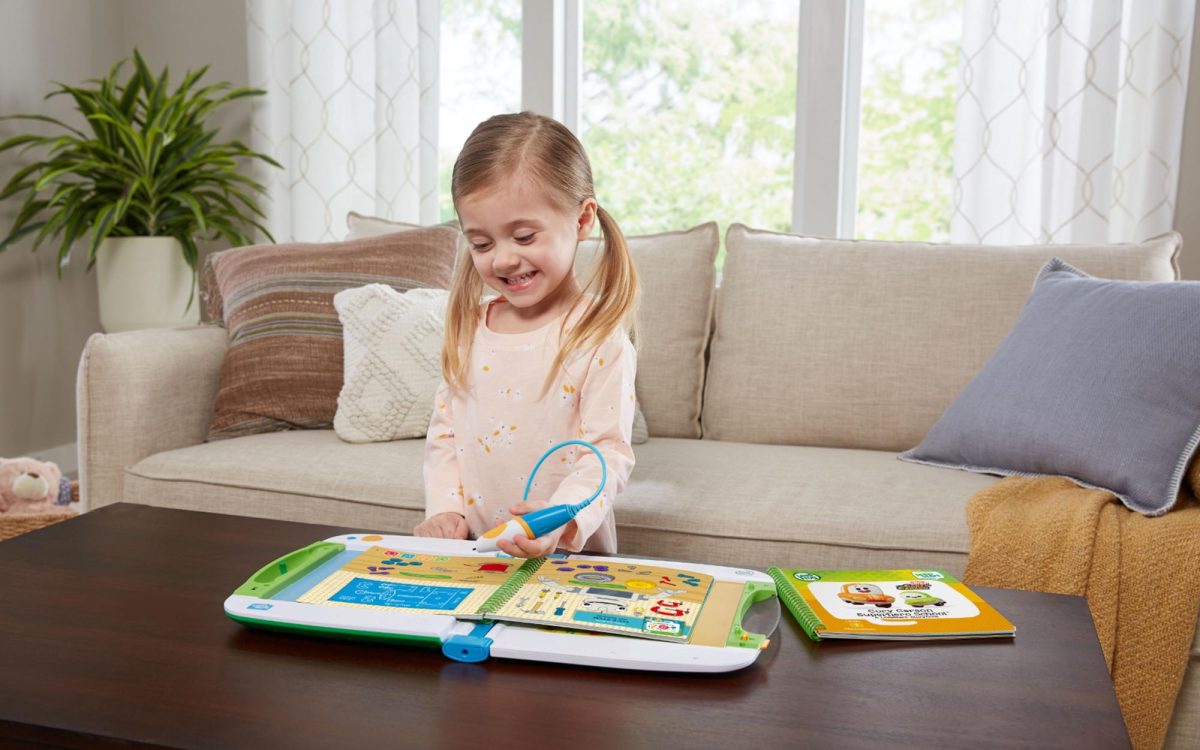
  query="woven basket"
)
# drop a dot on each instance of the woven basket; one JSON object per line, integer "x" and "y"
{"x": 13, "y": 525}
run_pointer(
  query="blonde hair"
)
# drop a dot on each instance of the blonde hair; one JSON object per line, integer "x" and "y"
{"x": 526, "y": 144}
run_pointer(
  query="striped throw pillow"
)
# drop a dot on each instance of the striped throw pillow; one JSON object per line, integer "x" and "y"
{"x": 283, "y": 368}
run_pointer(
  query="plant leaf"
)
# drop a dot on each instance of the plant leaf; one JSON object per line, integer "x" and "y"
{"x": 101, "y": 229}
{"x": 194, "y": 206}
{"x": 44, "y": 118}
{"x": 17, "y": 234}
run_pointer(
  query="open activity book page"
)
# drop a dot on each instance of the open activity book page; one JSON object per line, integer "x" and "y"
{"x": 886, "y": 605}
{"x": 661, "y": 603}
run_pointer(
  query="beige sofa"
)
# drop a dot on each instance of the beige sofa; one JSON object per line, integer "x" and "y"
{"x": 776, "y": 406}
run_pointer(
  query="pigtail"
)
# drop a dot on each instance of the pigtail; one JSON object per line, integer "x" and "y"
{"x": 617, "y": 280}
{"x": 611, "y": 296}
{"x": 462, "y": 312}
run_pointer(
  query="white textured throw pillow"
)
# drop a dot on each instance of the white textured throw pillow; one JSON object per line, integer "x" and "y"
{"x": 393, "y": 345}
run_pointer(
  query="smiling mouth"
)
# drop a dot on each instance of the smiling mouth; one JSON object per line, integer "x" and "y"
{"x": 521, "y": 280}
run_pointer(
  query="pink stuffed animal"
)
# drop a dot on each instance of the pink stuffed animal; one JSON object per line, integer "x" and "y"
{"x": 30, "y": 486}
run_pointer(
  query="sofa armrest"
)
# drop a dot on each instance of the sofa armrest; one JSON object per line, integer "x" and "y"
{"x": 139, "y": 393}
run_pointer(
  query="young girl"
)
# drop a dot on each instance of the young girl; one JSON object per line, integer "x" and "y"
{"x": 547, "y": 360}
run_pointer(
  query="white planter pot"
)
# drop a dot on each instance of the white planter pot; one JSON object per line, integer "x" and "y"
{"x": 144, "y": 283}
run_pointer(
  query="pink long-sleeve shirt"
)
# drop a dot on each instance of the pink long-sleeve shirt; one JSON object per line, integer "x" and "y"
{"x": 483, "y": 442}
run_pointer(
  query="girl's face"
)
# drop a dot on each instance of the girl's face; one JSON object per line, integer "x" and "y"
{"x": 523, "y": 246}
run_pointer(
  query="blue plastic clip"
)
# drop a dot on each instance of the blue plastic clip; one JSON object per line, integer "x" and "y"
{"x": 472, "y": 647}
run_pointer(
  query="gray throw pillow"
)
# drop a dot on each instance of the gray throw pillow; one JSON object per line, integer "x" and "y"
{"x": 1098, "y": 381}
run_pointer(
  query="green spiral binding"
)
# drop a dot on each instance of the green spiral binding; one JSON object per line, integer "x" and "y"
{"x": 791, "y": 597}
{"x": 511, "y": 586}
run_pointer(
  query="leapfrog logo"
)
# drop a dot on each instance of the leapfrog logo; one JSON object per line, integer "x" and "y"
{"x": 930, "y": 575}
{"x": 806, "y": 576}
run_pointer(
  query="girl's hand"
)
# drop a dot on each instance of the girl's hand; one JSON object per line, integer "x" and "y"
{"x": 523, "y": 546}
{"x": 448, "y": 525}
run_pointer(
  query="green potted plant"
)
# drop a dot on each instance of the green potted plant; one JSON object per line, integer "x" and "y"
{"x": 139, "y": 188}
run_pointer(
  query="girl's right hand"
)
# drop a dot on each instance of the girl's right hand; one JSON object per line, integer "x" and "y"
{"x": 447, "y": 525}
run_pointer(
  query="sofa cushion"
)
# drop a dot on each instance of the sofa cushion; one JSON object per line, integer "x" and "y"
{"x": 869, "y": 342}
{"x": 360, "y": 226}
{"x": 310, "y": 476}
{"x": 283, "y": 368}
{"x": 1096, "y": 382}
{"x": 677, "y": 274}
{"x": 761, "y": 505}
{"x": 765, "y": 505}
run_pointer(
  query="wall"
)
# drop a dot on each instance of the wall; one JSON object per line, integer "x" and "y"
{"x": 44, "y": 322}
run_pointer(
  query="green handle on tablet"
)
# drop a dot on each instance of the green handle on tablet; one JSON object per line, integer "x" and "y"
{"x": 279, "y": 574}
{"x": 753, "y": 593}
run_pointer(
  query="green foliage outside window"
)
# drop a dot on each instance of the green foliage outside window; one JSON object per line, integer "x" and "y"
{"x": 906, "y": 137}
{"x": 688, "y": 113}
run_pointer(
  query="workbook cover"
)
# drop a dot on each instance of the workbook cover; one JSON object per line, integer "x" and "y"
{"x": 579, "y": 593}
{"x": 886, "y": 605}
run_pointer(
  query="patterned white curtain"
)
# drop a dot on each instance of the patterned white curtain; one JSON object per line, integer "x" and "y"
{"x": 351, "y": 111}
{"x": 1070, "y": 119}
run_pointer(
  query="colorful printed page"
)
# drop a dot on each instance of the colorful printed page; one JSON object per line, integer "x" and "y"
{"x": 610, "y": 597}
{"x": 382, "y": 578}
{"x": 583, "y": 594}
{"x": 886, "y": 604}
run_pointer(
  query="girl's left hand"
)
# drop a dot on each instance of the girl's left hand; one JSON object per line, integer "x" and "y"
{"x": 523, "y": 546}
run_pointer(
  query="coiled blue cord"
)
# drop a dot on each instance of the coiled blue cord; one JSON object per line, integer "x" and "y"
{"x": 603, "y": 472}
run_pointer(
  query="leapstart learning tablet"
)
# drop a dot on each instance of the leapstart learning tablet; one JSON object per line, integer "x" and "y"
{"x": 598, "y": 611}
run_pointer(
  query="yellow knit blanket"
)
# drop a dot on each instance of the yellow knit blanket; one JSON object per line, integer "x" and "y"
{"x": 1141, "y": 577}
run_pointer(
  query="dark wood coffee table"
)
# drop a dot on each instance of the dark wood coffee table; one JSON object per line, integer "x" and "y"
{"x": 112, "y": 634}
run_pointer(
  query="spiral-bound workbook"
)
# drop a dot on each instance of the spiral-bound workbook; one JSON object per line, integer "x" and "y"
{"x": 627, "y": 598}
{"x": 886, "y": 604}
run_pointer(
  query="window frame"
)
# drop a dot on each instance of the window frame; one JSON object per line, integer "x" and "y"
{"x": 552, "y": 59}
{"x": 828, "y": 69}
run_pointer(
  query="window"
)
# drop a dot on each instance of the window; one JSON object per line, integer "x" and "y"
{"x": 906, "y": 131}
{"x": 479, "y": 76}
{"x": 687, "y": 111}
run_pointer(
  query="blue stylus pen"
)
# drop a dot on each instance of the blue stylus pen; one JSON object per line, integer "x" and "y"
{"x": 541, "y": 522}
